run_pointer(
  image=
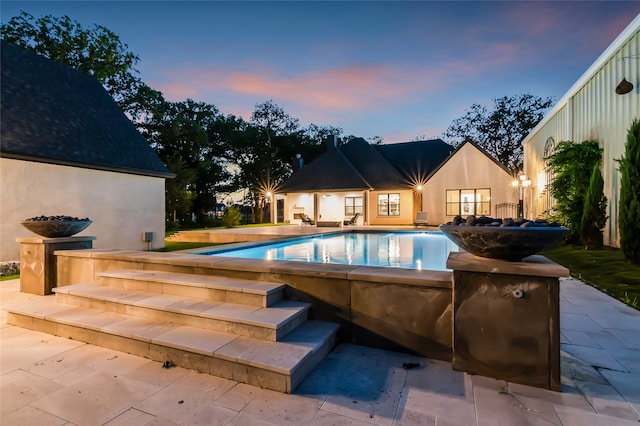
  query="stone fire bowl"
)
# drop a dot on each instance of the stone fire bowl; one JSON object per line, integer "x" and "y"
{"x": 508, "y": 243}
{"x": 56, "y": 228}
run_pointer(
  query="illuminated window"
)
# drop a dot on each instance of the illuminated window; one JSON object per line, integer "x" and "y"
{"x": 353, "y": 205}
{"x": 388, "y": 204}
{"x": 467, "y": 202}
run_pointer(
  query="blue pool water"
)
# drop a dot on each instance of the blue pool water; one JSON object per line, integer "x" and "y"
{"x": 409, "y": 250}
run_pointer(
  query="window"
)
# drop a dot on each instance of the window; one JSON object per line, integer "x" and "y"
{"x": 548, "y": 200}
{"x": 353, "y": 205}
{"x": 467, "y": 202}
{"x": 388, "y": 204}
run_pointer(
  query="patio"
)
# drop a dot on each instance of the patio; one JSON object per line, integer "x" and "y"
{"x": 50, "y": 380}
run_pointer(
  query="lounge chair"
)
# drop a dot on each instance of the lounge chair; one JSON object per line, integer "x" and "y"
{"x": 306, "y": 220}
{"x": 353, "y": 221}
{"x": 421, "y": 219}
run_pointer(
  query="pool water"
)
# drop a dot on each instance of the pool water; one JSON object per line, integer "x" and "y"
{"x": 408, "y": 250}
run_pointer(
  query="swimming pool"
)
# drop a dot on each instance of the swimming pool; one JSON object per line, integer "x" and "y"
{"x": 408, "y": 250}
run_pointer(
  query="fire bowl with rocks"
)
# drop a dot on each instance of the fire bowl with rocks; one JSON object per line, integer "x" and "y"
{"x": 507, "y": 239}
{"x": 56, "y": 226}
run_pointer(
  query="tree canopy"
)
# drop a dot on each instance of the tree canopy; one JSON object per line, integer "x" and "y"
{"x": 501, "y": 131}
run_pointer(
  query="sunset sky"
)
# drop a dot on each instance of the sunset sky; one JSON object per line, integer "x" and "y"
{"x": 374, "y": 68}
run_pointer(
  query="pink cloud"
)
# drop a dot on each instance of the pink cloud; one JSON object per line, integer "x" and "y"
{"x": 341, "y": 88}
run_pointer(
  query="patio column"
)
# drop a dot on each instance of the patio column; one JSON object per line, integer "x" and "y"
{"x": 365, "y": 206}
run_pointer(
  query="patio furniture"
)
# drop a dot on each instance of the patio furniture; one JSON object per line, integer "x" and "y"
{"x": 306, "y": 220}
{"x": 353, "y": 221}
{"x": 421, "y": 219}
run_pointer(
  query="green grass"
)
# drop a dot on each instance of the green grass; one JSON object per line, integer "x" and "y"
{"x": 181, "y": 245}
{"x": 605, "y": 269}
{"x": 9, "y": 277}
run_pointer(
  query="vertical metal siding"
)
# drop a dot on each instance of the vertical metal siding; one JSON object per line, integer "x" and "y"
{"x": 597, "y": 113}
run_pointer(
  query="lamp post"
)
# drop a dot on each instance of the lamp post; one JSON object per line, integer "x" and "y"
{"x": 419, "y": 189}
{"x": 522, "y": 182}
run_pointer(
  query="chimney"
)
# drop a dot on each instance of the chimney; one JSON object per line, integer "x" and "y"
{"x": 298, "y": 163}
{"x": 331, "y": 142}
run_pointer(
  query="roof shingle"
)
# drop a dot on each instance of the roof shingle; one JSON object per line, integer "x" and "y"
{"x": 52, "y": 113}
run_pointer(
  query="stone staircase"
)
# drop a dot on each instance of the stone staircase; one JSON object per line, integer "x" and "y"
{"x": 237, "y": 329}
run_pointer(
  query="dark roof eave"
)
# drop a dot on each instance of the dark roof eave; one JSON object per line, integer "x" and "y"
{"x": 151, "y": 173}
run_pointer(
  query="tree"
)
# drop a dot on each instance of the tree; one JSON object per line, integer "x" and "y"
{"x": 629, "y": 206}
{"x": 572, "y": 165}
{"x": 186, "y": 137}
{"x": 501, "y": 131}
{"x": 594, "y": 212}
{"x": 97, "y": 51}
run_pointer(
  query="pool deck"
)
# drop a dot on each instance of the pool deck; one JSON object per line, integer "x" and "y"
{"x": 51, "y": 380}
{"x": 282, "y": 231}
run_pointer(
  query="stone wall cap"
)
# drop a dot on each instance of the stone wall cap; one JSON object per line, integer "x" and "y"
{"x": 536, "y": 265}
{"x": 45, "y": 240}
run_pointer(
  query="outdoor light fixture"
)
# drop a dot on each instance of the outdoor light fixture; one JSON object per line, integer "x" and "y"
{"x": 624, "y": 87}
{"x": 522, "y": 182}
{"x": 419, "y": 189}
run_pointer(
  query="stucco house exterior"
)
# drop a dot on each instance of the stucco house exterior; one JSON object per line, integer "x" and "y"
{"x": 67, "y": 149}
{"x": 389, "y": 184}
{"x": 592, "y": 109}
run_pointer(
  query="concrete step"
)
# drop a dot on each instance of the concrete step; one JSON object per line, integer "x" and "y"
{"x": 279, "y": 366}
{"x": 271, "y": 323}
{"x": 220, "y": 289}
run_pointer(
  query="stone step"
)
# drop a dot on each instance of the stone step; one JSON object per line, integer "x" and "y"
{"x": 220, "y": 289}
{"x": 270, "y": 324}
{"x": 280, "y": 366}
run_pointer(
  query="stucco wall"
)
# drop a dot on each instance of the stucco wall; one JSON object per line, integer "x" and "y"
{"x": 120, "y": 205}
{"x": 407, "y": 215}
{"x": 468, "y": 168}
{"x": 591, "y": 110}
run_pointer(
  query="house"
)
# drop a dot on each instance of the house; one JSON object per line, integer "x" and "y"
{"x": 600, "y": 106}
{"x": 67, "y": 149}
{"x": 389, "y": 184}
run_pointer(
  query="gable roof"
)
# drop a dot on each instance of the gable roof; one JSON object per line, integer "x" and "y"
{"x": 416, "y": 160}
{"x": 54, "y": 114}
{"x": 476, "y": 146}
{"x": 375, "y": 168}
{"x": 357, "y": 165}
{"x": 329, "y": 171}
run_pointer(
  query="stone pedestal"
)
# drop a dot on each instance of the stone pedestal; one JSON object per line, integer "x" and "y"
{"x": 506, "y": 318}
{"x": 38, "y": 272}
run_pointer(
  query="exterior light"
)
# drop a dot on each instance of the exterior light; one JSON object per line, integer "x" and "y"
{"x": 522, "y": 182}
{"x": 419, "y": 187}
{"x": 268, "y": 194}
{"x": 624, "y": 87}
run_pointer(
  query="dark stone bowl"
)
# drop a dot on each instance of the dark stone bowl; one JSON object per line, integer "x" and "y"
{"x": 56, "y": 228}
{"x": 508, "y": 243}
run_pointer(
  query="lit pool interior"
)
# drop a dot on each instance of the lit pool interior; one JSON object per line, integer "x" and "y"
{"x": 408, "y": 250}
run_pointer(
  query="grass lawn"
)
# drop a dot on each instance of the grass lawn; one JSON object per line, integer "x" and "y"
{"x": 605, "y": 269}
{"x": 9, "y": 277}
{"x": 181, "y": 245}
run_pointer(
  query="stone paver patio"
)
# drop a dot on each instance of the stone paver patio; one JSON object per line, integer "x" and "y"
{"x": 50, "y": 380}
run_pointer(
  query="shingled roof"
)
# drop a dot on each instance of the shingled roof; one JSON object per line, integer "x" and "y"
{"x": 358, "y": 165}
{"x": 416, "y": 160}
{"x": 54, "y": 114}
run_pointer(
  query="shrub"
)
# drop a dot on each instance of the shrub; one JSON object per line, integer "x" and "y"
{"x": 572, "y": 164}
{"x": 231, "y": 217}
{"x": 594, "y": 213}
{"x": 629, "y": 206}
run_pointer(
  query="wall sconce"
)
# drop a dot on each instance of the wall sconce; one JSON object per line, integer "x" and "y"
{"x": 624, "y": 87}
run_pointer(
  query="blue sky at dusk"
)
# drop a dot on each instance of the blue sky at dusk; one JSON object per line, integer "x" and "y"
{"x": 374, "y": 68}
